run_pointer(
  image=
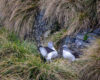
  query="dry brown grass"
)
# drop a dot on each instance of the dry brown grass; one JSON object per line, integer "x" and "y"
{"x": 75, "y": 15}
{"x": 18, "y": 15}
{"x": 92, "y": 70}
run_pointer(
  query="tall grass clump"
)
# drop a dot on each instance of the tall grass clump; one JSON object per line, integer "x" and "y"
{"x": 92, "y": 70}
{"x": 19, "y": 15}
{"x": 74, "y": 15}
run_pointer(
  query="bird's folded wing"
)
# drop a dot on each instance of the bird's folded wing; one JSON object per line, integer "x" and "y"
{"x": 48, "y": 49}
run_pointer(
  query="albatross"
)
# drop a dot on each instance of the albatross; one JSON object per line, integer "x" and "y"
{"x": 66, "y": 53}
{"x": 48, "y": 52}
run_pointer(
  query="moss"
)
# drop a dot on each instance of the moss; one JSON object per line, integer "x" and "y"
{"x": 85, "y": 37}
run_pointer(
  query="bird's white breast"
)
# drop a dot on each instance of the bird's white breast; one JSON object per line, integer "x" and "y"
{"x": 52, "y": 55}
{"x": 68, "y": 55}
{"x": 43, "y": 52}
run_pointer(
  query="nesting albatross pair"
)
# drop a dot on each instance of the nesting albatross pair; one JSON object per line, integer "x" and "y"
{"x": 50, "y": 52}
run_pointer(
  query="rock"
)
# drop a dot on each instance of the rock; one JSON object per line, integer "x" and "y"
{"x": 46, "y": 34}
{"x": 91, "y": 37}
{"x": 97, "y": 31}
{"x": 78, "y": 42}
{"x": 80, "y": 36}
{"x": 69, "y": 40}
{"x": 92, "y": 34}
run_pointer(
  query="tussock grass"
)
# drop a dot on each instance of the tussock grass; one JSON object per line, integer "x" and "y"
{"x": 75, "y": 15}
{"x": 91, "y": 71}
{"x": 19, "y": 15}
{"x": 20, "y": 60}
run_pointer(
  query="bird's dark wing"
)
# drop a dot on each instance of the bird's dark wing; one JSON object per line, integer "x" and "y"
{"x": 48, "y": 49}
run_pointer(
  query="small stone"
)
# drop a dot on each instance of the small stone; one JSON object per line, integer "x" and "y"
{"x": 70, "y": 40}
{"x": 97, "y": 31}
{"x": 78, "y": 42}
{"x": 46, "y": 34}
{"x": 80, "y": 36}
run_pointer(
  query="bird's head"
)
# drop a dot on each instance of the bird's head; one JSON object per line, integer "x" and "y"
{"x": 50, "y": 44}
{"x": 65, "y": 47}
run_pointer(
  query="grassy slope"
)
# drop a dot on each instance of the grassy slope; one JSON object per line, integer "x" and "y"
{"x": 92, "y": 70}
{"x": 20, "y": 60}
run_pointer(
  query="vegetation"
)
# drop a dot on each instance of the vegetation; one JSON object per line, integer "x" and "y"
{"x": 85, "y": 37}
{"x": 91, "y": 71}
{"x": 19, "y": 15}
{"x": 21, "y": 60}
{"x": 75, "y": 15}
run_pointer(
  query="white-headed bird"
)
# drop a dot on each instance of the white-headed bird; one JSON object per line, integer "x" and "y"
{"x": 49, "y": 52}
{"x": 66, "y": 53}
